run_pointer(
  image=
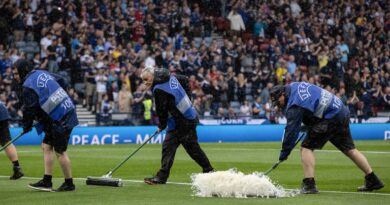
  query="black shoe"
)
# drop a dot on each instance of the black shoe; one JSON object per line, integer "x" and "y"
{"x": 371, "y": 182}
{"x": 42, "y": 186}
{"x": 66, "y": 187}
{"x": 154, "y": 180}
{"x": 309, "y": 186}
{"x": 17, "y": 173}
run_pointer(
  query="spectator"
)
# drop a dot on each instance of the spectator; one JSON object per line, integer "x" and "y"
{"x": 241, "y": 87}
{"x": 215, "y": 92}
{"x": 73, "y": 96}
{"x": 221, "y": 113}
{"x": 245, "y": 109}
{"x": 236, "y": 23}
{"x": 283, "y": 41}
{"x": 354, "y": 105}
{"x": 106, "y": 109}
{"x": 137, "y": 105}
{"x": 271, "y": 112}
{"x": 52, "y": 56}
{"x": 231, "y": 113}
{"x": 258, "y": 109}
{"x": 46, "y": 41}
{"x": 386, "y": 99}
{"x": 291, "y": 66}
{"x": 295, "y": 9}
{"x": 147, "y": 109}
{"x": 264, "y": 95}
{"x": 101, "y": 88}
{"x": 90, "y": 88}
{"x": 260, "y": 27}
{"x": 18, "y": 24}
{"x": 125, "y": 100}
{"x": 231, "y": 82}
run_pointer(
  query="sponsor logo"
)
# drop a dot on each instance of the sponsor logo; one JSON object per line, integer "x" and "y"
{"x": 173, "y": 83}
{"x": 43, "y": 79}
{"x": 303, "y": 91}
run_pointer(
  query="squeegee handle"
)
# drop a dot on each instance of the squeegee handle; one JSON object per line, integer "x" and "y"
{"x": 276, "y": 165}
{"x": 133, "y": 153}
{"x": 280, "y": 161}
{"x": 272, "y": 168}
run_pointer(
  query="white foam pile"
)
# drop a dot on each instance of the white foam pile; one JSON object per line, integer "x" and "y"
{"x": 232, "y": 183}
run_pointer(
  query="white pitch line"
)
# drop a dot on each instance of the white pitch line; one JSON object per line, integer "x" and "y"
{"x": 367, "y": 152}
{"x": 189, "y": 184}
{"x": 273, "y": 149}
{"x": 229, "y": 149}
{"x": 361, "y": 193}
{"x": 28, "y": 151}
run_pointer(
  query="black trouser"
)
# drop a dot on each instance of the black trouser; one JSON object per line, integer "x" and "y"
{"x": 5, "y": 135}
{"x": 189, "y": 139}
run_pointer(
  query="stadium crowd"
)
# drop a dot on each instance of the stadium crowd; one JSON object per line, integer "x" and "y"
{"x": 233, "y": 51}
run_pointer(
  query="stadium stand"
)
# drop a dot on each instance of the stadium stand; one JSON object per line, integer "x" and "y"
{"x": 231, "y": 49}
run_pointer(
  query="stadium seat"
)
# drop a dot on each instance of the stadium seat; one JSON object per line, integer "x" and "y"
{"x": 32, "y": 44}
{"x": 208, "y": 40}
{"x": 28, "y": 49}
{"x": 235, "y": 104}
{"x": 236, "y": 110}
{"x": 119, "y": 116}
{"x": 249, "y": 98}
{"x": 198, "y": 41}
{"x": 20, "y": 44}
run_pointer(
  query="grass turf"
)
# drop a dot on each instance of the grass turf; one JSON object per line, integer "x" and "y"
{"x": 337, "y": 177}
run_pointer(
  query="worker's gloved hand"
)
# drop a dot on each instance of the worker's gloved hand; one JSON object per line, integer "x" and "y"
{"x": 284, "y": 155}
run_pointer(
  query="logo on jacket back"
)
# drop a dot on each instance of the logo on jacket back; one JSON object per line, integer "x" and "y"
{"x": 43, "y": 79}
{"x": 303, "y": 90}
{"x": 173, "y": 83}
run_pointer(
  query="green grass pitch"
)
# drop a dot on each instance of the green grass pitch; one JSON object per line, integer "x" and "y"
{"x": 337, "y": 177}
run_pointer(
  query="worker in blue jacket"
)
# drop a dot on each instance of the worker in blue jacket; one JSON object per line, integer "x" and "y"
{"x": 327, "y": 119}
{"x": 177, "y": 114}
{"x": 47, "y": 102}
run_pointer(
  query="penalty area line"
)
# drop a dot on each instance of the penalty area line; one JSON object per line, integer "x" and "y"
{"x": 189, "y": 184}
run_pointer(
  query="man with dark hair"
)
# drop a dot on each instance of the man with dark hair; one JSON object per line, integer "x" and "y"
{"x": 45, "y": 100}
{"x": 327, "y": 119}
{"x": 5, "y": 137}
{"x": 175, "y": 111}
{"x": 52, "y": 56}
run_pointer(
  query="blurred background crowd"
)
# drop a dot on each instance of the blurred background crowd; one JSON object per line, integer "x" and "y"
{"x": 233, "y": 51}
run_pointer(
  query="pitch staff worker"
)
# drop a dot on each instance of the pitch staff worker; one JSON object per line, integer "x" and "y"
{"x": 327, "y": 119}
{"x": 176, "y": 113}
{"x": 45, "y": 100}
{"x": 5, "y": 137}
